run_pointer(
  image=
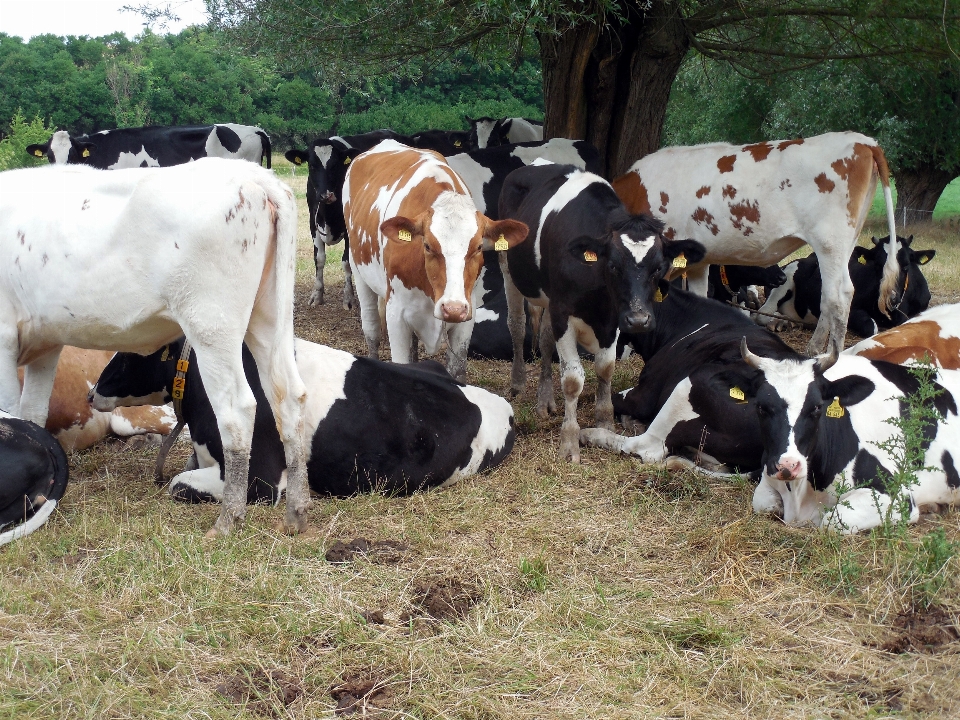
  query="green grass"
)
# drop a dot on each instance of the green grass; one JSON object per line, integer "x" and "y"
{"x": 947, "y": 207}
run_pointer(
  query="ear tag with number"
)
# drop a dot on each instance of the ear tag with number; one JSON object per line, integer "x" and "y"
{"x": 737, "y": 394}
{"x": 38, "y": 153}
{"x": 835, "y": 409}
{"x": 404, "y": 235}
{"x": 862, "y": 260}
{"x": 658, "y": 296}
{"x": 86, "y": 153}
{"x": 923, "y": 260}
{"x": 680, "y": 261}
{"x": 501, "y": 244}
{"x": 589, "y": 256}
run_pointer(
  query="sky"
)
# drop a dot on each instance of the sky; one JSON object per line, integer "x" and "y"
{"x": 27, "y": 18}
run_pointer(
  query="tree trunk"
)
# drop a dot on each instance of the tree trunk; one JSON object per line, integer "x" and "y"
{"x": 918, "y": 191}
{"x": 609, "y": 83}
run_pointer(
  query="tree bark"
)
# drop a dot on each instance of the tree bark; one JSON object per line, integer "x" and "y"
{"x": 918, "y": 191}
{"x": 609, "y": 83}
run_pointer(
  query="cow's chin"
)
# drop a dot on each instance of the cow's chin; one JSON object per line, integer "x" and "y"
{"x": 109, "y": 404}
{"x": 803, "y": 505}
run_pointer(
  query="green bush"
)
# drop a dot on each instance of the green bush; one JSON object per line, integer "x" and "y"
{"x": 13, "y": 148}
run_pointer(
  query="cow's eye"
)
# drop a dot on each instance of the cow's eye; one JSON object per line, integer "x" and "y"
{"x": 427, "y": 248}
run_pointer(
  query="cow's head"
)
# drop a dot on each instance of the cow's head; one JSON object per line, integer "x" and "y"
{"x": 130, "y": 379}
{"x": 62, "y": 149}
{"x": 631, "y": 261}
{"x": 447, "y": 240}
{"x": 487, "y": 132}
{"x": 327, "y": 163}
{"x": 805, "y": 427}
{"x": 912, "y": 295}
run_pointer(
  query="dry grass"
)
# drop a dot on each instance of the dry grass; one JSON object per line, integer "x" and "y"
{"x": 604, "y": 590}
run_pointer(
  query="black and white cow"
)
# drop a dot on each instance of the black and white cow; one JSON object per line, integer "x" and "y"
{"x": 823, "y": 424}
{"x": 445, "y": 142}
{"x": 799, "y": 297}
{"x": 375, "y": 426}
{"x": 738, "y": 283}
{"x": 593, "y": 267}
{"x": 490, "y": 132}
{"x": 679, "y": 403}
{"x": 33, "y": 477}
{"x": 156, "y": 146}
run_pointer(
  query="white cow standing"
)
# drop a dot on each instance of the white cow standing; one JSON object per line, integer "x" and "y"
{"x": 756, "y": 204}
{"x": 130, "y": 260}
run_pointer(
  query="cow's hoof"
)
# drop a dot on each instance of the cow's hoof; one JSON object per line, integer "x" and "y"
{"x": 298, "y": 527}
{"x": 543, "y": 410}
{"x": 316, "y": 298}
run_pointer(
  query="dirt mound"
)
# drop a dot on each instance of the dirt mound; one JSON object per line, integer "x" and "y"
{"x": 361, "y": 693}
{"x": 378, "y": 551}
{"x": 445, "y": 598}
{"x": 263, "y": 692}
{"x": 921, "y": 631}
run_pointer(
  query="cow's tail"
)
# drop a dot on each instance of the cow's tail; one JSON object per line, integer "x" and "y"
{"x": 35, "y": 521}
{"x": 891, "y": 269}
{"x": 284, "y": 262}
{"x": 265, "y": 144}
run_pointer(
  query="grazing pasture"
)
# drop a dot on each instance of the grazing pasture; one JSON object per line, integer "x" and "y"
{"x": 540, "y": 590}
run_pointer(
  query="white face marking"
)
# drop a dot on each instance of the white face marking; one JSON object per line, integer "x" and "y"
{"x": 60, "y": 147}
{"x": 454, "y": 225}
{"x": 638, "y": 248}
{"x": 323, "y": 154}
{"x": 484, "y": 129}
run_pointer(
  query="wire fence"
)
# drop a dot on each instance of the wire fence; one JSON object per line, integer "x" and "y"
{"x": 914, "y": 213}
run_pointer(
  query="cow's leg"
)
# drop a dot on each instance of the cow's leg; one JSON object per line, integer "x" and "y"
{"x": 517, "y": 324}
{"x": 546, "y": 403}
{"x": 319, "y": 261}
{"x": 458, "y": 342}
{"x": 38, "y": 379}
{"x": 571, "y": 381}
{"x": 766, "y": 499}
{"x": 369, "y": 317}
{"x": 835, "y": 298}
{"x": 604, "y": 363}
{"x": 401, "y": 336}
{"x": 863, "y": 509}
{"x": 234, "y": 406}
{"x": 348, "y": 291}
{"x": 9, "y": 383}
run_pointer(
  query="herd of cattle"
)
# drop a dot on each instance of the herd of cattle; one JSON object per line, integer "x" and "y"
{"x": 492, "y": 242}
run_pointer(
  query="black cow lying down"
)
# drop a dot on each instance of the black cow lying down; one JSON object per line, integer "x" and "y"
{"x": 375, "y": 426}
{"x": 33, "y": 477}
{"x": 799, "y": 298}
{"x": 680, "y": 406}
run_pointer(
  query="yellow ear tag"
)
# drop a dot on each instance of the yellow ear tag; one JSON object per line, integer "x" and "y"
{"x": 589, "y": 256}
{"x": 86, "y": 153}
{"x": 680, "y": 261}
{"x": 457, "y": 144}
{"x": 346, "y": 161}
{"x": 165, "y": 355}
{"x": 658, "y": 296}
{"x": 405, "y": 235}
{"x": 297, "y": 161}
{"x": 923, "y": 260}
{"x": 835, "y": 410}
{"x": 862, "y": 260}
{"x": 737, "y": 394}
{"x": 38, "y": 153}
{"x": 501, "y": 244}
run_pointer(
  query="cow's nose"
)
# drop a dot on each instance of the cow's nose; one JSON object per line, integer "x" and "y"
{"x": 637, "y": 321}
{"x": 788, "y": 469}
{"x": 454, "y": 312}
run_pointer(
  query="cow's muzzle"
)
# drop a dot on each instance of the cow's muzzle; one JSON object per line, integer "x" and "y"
{"x": 455, "y": 312}
{"x": 788, "y": 469}
{"x": 637, "y": 321}
{"x": 329, "y": 197}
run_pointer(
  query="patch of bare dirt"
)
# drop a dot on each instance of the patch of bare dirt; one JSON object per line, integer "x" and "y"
{"x": 921, "y": 631}
{"x": 374, "y": 617}
{"x": 445, "y": 598}
{"x": 377, "y": 551}
{"x": 363, "y": 693}
{"x": 262, "y": 692}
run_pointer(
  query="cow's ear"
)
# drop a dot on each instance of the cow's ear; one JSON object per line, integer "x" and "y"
{"x": 84, "y": 149}
{"x": 861, "y": 255}
{"x": 502, "y": 234}
{"x": 36, "y": 150}
{"x": 738, "y": 383}
{"x": 922, "y": 257}
{"x": 297, "y": 157}
{"x": 588, "y": 250}
{"x": 351, "y": 154}
{"x": 850, "y": 389}
{"x": 693, "y": 251}
{"x": 874, "y": 240}
{"x": 401, "y": 230}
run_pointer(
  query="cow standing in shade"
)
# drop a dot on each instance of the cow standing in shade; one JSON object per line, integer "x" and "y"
{"x": 491, "y": 132}
{"x": 756, "y": 204}
{"x": 448, "y": 431}
{"x": 416, "y": 240}
{"x": 156, "y": 146}
{"x": 593, "y": 267}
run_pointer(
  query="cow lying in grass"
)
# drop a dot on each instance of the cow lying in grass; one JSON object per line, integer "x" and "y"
{"x": 33, "y": 477}
{"x": 934, "y": 334}
{"x": 374, "y": 426}
{"x": 799, "y": 298}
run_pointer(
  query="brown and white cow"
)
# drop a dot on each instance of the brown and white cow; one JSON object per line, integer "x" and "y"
{"x": 416, "y": 242}
{"x": 756, "y": 204}
{"x": 934, "y": 333}
{"x": 77, "y": 425}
